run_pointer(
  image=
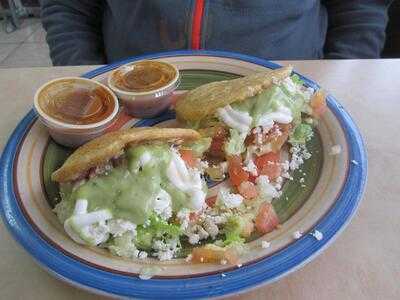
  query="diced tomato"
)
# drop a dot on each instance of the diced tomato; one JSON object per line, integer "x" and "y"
{"x": 188, "y": 157}
{"x": 211, "y": 201}
{"x": 318, "y": 104}
{"x": 248, "y": 190}
{"x": 193, "y": 217}
{"x": 214, "y": 255}
{"x": 250, "y": 139}
{"x": 272, "y": 170}
{"x": 268, "y": 164}
{"x": 236, "y": 173}
{"x": 266, "y": 219}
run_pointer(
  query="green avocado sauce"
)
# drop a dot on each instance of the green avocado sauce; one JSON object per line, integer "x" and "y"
{"x": 269, "y": 101}
{"x": 129, "y": 190}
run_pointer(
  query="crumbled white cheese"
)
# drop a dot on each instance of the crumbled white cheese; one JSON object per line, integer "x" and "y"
{"x": 196, "y": 233}
{"x": 165, "y": 250}
{"x": 118, "y": 227}
{"x": 335, "y": 150}
{"x": 229, "y": 199}
{"x": 216, "y": 219}
{"x": 318, "y": 235}
{"x": 258, "y": 132}
{"x": 239, "y": 120}
{"x": 265, "y": 244}
{"x": 163, "y": 205}
{"x": 285, "y": 165}
{"x": 265, "y": 189}
{"x": 287, "y": 175}
{"x": 251, "y": 167}
{"x": 210, "y": 227}
{"x": 184, "y": 218}
{"x": 299, "y": 154}
{"x": 297, "y": 234}
{"x": 194, "y": 238}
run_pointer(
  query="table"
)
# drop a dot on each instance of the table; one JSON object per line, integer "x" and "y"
{"x": 363, "y": 263}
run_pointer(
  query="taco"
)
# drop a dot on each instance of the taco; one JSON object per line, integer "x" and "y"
{"x": 254, "y": 131}
{"x": 122, "y": 191}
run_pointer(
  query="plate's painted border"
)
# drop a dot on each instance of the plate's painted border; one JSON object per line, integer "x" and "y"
{"x": 267, "y": 270}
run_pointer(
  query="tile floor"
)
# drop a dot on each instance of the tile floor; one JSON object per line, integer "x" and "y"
{"x": 25, "y": 47}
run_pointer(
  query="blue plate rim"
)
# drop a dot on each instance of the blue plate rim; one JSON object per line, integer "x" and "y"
{"x": 267, "y": 270}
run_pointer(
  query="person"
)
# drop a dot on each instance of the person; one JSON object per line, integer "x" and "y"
{"x": 103, "y": 31}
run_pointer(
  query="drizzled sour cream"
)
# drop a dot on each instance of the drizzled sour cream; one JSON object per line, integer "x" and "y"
{"x": 241, "y": 121}
{"x": 282, "y": 115}
{"x": 187, "y": 180}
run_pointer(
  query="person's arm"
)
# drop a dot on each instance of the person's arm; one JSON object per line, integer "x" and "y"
{"x": 74, "y": 31}
{"x": 356, "y": 28}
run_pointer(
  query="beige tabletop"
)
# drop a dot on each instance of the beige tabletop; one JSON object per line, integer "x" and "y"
{"x": 363, "y": 263}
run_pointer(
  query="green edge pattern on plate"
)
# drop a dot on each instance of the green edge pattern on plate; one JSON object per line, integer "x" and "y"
{"x": 294, "y": 193}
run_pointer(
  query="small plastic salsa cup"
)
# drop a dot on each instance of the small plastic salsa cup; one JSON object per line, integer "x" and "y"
{"x": 75, "y": 110}
{"x": 145, "y": 87}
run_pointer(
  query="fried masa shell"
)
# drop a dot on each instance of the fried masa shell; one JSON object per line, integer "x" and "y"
{"x": 206, "y": 99}
{"x": 100, "y": 150}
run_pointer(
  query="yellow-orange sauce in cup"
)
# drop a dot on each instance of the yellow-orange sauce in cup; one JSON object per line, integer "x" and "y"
{"x": 144, "y": 76}
{"x": 77, "y": 106}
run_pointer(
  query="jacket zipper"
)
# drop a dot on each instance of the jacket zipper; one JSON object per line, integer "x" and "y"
{"x": 196, "y": 24}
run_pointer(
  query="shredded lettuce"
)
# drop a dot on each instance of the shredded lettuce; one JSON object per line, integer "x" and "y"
{"x": 144, "y": 239}
{"x": 231, "y": 238}
{"x": 296, "y": 79}
{"x": 232, "y": 230}
{"x": 235, "y": 144}
{"x": 155, "y": 228}
{"x": 301, "y": 134}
